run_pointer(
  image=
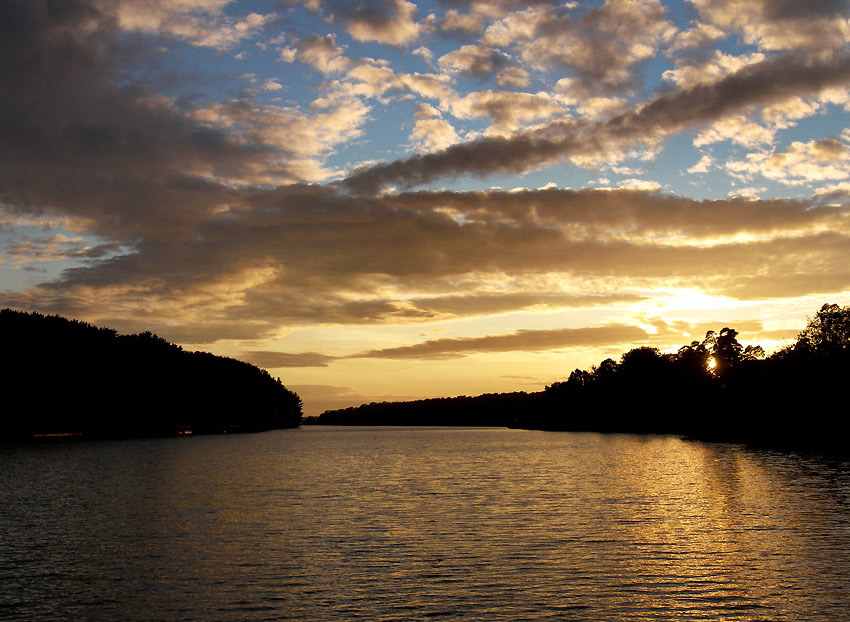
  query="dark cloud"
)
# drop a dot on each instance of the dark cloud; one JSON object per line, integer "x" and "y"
{"x": 762, "y": 83}
{"x": 558, "y": 338}
{"x": 600, "y": 47}
{"x": 79, "y": 136}
{"x": 322, "y": 52}
{"x": 417, "y": 256}
{"x": 523, "y": 340}
{"x": 384, "y": 21}
{"x": 794, "y": 9}
{"x": 475, "y": 61}
{"x": 636, "y": 211}
{"x": 271, "y": 360}
{"x": 497, "y": 5}
{"x": 59, "y": 247}
{"x": 782, "y": 24}
{"x": 483, "y": 303}
{"x": 375, "y": 12}
{"x": 207, "y": 329}
{"x": 81, "y": 139}
{"x": 828, "y": 149}
{"x": 666, "y": 333}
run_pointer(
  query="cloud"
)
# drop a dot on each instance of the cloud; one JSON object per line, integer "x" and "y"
{"x": 426, "y": 54}
{"x": 383, "y": 21}
{"x": 519, "y": 26}
{"x": 513, "y": 76}
{"x": 589, "y": 107}
{"x": 431, "y": 132}
{"x": 58, "y": 247}
{"x": 272, "y": 360}
{"x": 197, "y": 219}
{"x": 631, "y": 32}
{"x": 784, "y": 114}
{"x": 484, "y": 303}
{"x": 759, "y": 84}
{"x": 828, "y": 150}
{"x": 700, "y": 35}
{"x": 711, "y": 69}
{"x": 296, "y": 255}
{"x": 598, "y": 47}
{"x": 474, "y": 60}
{"x": 738, "y": 129}
{"x": 201, "y": 22}
{"x": 323, "y": 54}
{"x": 508, "y": 111}
{"x": 703, "y": 166}
{"x": 368, "y": 79}
{"x": 827, "y": 159}
{"x": 297, "y": 141}
{"x": 523, "y": 340}
{"x": 640, "y": 184}
{"x": 661, "y": 332}
{"x": 461, "y": 23}
{"x": 778, "y": 25}
{"x": 76, "y": 143}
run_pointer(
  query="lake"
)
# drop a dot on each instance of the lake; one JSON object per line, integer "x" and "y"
{"x": 328, "y": 523}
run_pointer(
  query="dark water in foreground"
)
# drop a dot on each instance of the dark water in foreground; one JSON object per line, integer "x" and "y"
{"x": 421, "y": 524}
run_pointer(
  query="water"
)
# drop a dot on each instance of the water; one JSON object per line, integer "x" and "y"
{"x": 421, "y": 524}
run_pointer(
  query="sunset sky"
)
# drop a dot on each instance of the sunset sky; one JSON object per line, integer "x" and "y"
{"x": 392, "y": 200}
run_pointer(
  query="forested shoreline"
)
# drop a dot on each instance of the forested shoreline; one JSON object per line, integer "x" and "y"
{"x": 714, "y": 389}
{"x": 69, "y": 378}
{"x": 65, "y": 377}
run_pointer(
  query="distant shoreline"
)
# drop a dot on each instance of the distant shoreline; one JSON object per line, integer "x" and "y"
{"x": 711, "y": 390}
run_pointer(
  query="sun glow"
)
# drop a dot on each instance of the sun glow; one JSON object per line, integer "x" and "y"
{"x": 690, "y": 299}
{"x": 711, "y": 364}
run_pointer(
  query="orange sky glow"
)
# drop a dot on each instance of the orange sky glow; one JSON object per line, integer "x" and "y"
{"x": 420, "y": 199}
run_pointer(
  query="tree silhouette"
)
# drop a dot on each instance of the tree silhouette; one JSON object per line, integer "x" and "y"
{"x": 695, "y": 356}
{"x": 827, "y": 333}
{"x": 727, "y": 352}
{"x": 65, "y": 376}
{"x": 787, "y": 399}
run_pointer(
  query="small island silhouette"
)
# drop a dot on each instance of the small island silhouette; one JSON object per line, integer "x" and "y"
{"x": 65, "y": 378}
{"x": 714, "y": 389}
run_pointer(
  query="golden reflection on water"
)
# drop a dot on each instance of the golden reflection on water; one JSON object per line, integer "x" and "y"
{"x": 683, "y": 527}
{"x": 414, "y": 524}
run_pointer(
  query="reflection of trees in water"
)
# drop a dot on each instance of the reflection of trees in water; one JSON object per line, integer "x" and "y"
{"x": 68, "y": 376}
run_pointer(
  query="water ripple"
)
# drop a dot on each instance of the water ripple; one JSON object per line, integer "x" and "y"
{"x": 422, "y": 524}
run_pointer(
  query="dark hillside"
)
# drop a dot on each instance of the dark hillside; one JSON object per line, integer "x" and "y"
{"x": 68, "y": 377}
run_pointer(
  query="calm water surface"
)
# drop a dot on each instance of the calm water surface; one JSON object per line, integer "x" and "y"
{"x": 420, "y": 524}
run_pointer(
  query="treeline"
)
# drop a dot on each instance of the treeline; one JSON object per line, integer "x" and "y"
{"x": 65, "y": 377}
{"x": 715, "y": 389}
{"x": 710, "y": 389}
{"x": 491, "y": 409}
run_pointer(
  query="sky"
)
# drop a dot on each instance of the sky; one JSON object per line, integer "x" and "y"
{"x": 394, "y": 200}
